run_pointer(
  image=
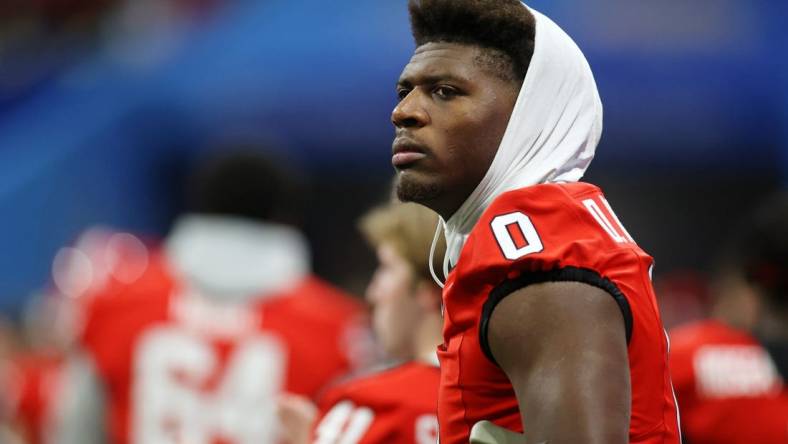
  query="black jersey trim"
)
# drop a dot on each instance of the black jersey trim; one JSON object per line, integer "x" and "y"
{"x": 566, "y": 274}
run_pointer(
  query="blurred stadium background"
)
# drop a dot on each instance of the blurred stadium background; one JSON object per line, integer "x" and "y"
{"x": 105, "y": 104}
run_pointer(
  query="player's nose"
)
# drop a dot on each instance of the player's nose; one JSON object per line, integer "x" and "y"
{"x": 409, "y": 112}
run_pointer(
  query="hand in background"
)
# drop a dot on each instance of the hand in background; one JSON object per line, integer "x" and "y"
{"x": 297, "y": 415}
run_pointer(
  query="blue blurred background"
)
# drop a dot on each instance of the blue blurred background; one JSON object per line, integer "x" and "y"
{"x": 104, "y": 105}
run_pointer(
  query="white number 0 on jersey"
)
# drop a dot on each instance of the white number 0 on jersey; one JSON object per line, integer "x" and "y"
{"x": 516, "y": 221}
{"x": 175, "y": 399}
{"x": 530, "y": 242}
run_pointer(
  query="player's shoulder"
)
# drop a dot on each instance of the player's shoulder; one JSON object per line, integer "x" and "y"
{"x": 715, "y": 361}
{"x": 559, "y": 211}
{"x": 545, "y": 198}
{"x": 155, "y": 282}
{"x": 135, "y": 302}
{"x": 690, "y": 337}
{"x": 558, "y": 225}
{"x": 331, "y": 296}
{"x": 317, "y": 306}
{"x": 398, "y": 384}
{"x": 401, "y": 375}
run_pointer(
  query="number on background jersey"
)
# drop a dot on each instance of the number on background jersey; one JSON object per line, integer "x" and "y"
{"x": 184, "y": 394}
{"x": 344, "y": 424}
{"x": 617, "y": 232}
{"x": 427, "y": 429}
{"x": 516, "y": 235}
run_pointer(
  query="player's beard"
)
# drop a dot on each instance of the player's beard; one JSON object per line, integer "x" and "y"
{"x": 410, "y": 189}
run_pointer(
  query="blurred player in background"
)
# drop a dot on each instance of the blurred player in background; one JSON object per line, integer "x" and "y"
{"x": 32, "y": 380}
{"x": 225, "y": 318}
{"x": 397, "y": 405}
{"x": 12, "y": 429}
{"x": 730, "y": 372}
{"x": 551, "y": 324}
{"x": 52, "y": 323}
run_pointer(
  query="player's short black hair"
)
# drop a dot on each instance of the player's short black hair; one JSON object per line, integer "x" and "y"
{"x": 243, "y": 181}
{"x": 760, "y": 248}
{"x": 505, "y": 29}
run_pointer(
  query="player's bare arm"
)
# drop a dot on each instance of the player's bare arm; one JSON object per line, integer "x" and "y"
{"x": 563, "y": 346}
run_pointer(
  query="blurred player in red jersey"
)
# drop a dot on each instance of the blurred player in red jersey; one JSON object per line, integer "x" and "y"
{"x": 52, "y": 321}
{"x": 34, "y": 374}
{"x": 397, "y": 405}
{"x": 12, "y": 429}
{"x": 551, "y": 324}
{"x": 224, "y": 319}
{"x": 35, "y": 380}
{"x": 730, "y": 372}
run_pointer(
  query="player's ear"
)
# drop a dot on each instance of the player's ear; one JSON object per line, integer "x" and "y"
{"x": 428, "y": 295}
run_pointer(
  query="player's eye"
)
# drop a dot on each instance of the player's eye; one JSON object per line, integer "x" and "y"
{"x": 445, "y": 92}
{"x": 402, "y": 93}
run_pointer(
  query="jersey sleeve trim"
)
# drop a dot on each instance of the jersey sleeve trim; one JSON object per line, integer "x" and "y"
{"x": 566, "y": 274}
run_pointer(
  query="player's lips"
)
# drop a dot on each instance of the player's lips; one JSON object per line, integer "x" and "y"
{"x": 406, "y": 151}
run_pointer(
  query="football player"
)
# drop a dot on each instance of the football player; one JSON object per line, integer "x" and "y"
{"x": 551, "y": 327}
{"x": 32, "y": 383}
{"x": 15, "y": 424}
{"x": 730, "y": 372}
{"x": 396, "y": 405}
{"x": 225, "y": 318}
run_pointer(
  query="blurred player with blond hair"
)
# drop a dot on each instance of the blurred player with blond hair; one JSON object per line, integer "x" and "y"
{"x": 396, "y": 405}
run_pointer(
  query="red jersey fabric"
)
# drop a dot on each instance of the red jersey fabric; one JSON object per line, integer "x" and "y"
{"x": 395, "y": 406}
{"x": 727, "y": 386}
{"x": 550, "y": 232}
{"x": 178, "y": 368}
{"x": 35, "y": 381}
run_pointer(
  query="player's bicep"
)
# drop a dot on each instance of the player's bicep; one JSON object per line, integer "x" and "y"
{"x": 563, "y": 346}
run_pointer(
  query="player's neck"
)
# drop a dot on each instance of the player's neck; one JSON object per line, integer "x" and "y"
{"x": 427, "y": 337}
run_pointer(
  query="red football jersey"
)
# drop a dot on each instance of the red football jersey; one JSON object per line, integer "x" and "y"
{"x": 727, "y": 386}
{"x": 180, "y": 368}
{"x": 395, "y": 406}
{"x": 35, "y": 382}
{"x": 543, "y": 233}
